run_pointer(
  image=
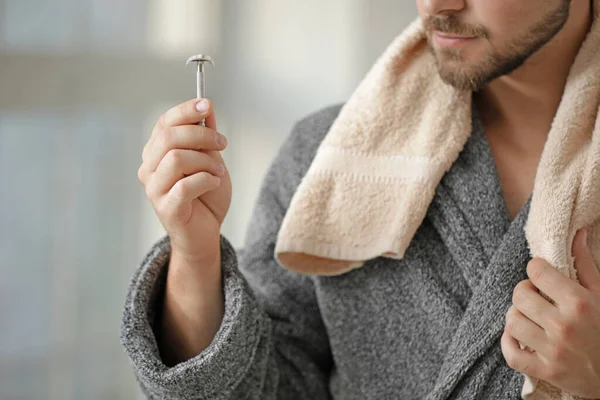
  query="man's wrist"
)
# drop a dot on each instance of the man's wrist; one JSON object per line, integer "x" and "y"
{"x": 189, "y": 271}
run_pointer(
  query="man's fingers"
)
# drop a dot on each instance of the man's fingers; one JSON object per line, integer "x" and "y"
{"x": 587, "y": 271}
{"x": 178, "y": 164}
{"x": 187, "y": 113}
{"x": 525, "y": 331}
{"x": 182, "y": 114}
{"x": 530, "y": 302}
{"x": 546, "y": 278}
{"x": 187, "y": 137}
{"x": 177, "y": 205}
{"x": 211, "y": 119}
{"x": 193, "y": 186}
{"x": 521, "y": 360}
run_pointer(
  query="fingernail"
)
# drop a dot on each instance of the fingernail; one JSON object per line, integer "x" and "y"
{"x": 218, "y": 180}
{"x": 585, "y": 236}
{"x": 202, "y": 105}
{"x": 221, "y": 140}
{"x": 220, "y": 169}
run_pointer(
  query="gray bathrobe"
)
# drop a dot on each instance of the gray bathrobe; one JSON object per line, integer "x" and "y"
{"x": 424, "y": 327}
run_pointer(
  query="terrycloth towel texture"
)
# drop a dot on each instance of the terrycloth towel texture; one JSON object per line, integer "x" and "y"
{"x": 375, "y": 173}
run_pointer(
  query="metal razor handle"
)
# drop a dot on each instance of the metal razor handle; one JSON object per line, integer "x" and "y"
{"x": 200, "y": 86}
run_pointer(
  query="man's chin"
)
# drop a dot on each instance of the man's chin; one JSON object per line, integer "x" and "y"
{"x": 460, "y": 81}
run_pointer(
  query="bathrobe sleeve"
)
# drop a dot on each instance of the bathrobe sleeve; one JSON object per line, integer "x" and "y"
{"x": 272, "y": 343}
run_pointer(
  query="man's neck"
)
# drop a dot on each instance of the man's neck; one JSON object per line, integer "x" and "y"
{"x": 527, "y": 99}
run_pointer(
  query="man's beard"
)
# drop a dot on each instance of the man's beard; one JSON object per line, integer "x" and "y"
{"x": 498, "y": 63}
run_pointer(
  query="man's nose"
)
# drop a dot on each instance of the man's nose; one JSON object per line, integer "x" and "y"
{"x": 437, "y": 7}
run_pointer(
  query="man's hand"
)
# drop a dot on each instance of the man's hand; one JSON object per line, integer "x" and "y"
{"x": 564, "y": 335}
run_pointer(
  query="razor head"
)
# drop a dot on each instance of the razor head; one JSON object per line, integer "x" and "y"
{"x": 200, "y": 58}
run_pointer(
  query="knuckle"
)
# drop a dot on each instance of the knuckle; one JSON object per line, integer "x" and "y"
{"x": 206, "y": 176}
{"x": 145, "y": 153}
{"x": 511, "y": 324}
{"x": 162, "y": 121}
{"x": 564, "y": 330}
{"x": 182, "y": 189}
{"x": 512, "y": 361}
{"x": 166, "y": 135}
{"x": 581, "y": 306}
{"x": 534, "y": 269}
{"x": 150, "y": 192}
{"x": 517, "y": 295}
{"x": 557, "y": 353}
{"x": 174, "y": 158}
{"x": 210, "y": 181}
{"x": 526, "y": 368}
{"x": 164, "y": 138}
{"x": 516, "y": 361}
{"x": 141, "y": 173}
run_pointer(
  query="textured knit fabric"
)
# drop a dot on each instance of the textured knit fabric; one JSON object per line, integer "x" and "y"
{"x": 424, "y": 327}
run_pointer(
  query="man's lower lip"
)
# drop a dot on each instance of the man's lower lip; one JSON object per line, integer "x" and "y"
{"x": 450, "y": 41}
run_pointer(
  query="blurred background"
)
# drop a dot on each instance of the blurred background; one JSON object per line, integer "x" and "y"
{"x": 82, "y": 83}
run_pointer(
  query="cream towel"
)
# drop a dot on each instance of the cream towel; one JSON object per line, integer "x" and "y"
{"x": 376, "y": 171}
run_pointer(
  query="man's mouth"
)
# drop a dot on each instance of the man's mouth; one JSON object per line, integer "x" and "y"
{"x": 449, "y": 40}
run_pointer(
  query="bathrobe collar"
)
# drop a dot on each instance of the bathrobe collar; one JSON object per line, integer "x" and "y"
{"x": 470, "y": 214}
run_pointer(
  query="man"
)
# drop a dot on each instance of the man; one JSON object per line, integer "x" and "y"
{"x": 204, "y": 321}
